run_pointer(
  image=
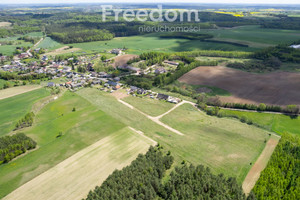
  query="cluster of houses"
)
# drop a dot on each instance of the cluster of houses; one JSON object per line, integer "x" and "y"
{"x": 133, "y": 90}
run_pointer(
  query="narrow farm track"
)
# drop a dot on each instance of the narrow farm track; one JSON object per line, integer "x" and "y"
{"x": 154, "y": 119}
{"x": 259, "y": 166}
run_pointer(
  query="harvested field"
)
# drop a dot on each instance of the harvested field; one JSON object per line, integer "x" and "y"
{"x": 5, "y": 24}
{"x": 76, "y": 176}
{"x": 277, "y": 88}
{"x": 10, "y": 92}
{"x": 123, "y": 59}
{"x": 62, "y": 50}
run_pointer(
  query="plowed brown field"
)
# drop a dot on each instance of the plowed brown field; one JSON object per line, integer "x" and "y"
{"x": 277, "y": 88}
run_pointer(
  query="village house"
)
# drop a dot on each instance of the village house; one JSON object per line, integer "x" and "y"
{"x": 160, "y": 70}
{"x": 116, "y": 51}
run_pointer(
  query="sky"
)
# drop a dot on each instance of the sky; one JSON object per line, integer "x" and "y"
{"x": 151, "y": 1}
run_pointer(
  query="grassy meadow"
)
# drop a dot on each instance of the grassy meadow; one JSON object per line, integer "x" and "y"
{"x": 49, "y": 44}
{"x": 277, "y": 123}
{"x": 234, "y": 144}
{"x": 79, "y": 129}
{"x": 10, "y": 49}
{"x": 16, "y": 107}
{"x": 226, "y": 146}
{"x": 254, "y": 36}
{"x": 152, "y": 107}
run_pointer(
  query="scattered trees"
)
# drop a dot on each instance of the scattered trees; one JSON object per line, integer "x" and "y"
{"x": 26, "y": 121}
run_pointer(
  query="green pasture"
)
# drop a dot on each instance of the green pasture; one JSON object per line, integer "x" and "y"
{"x": 79, "y": 129}
{"x": 16, "y": 107}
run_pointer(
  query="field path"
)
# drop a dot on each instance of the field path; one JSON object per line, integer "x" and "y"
{"x": 155, "y": 119}
{"x": 28, "y": 51}
{"x": 74, "y": 177}
{"x": 259, "y": 166}
{"x": 10, "y": 92}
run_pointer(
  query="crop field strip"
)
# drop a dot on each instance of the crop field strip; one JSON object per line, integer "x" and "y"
{"x": 74, "y": 177}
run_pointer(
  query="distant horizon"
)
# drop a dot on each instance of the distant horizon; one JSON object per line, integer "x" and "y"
{"x": 219, "y": 2}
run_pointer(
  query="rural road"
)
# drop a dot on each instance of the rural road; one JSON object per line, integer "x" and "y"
{"x": 254, "y": 173}
{"x": 28, "y": 51}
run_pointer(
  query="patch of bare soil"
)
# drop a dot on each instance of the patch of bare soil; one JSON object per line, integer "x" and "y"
{"x": 62, "y": 50}
{"x": 123, "y": 59}
{"x": 276, "y": 88}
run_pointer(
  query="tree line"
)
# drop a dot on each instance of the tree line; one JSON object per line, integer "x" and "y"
{"x": 28, "y": 77}
{"x": 142, "y": 179}
{"x": 281, "y": 178}
{"x": 12, "y": 146}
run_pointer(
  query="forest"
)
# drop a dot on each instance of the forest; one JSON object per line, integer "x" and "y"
{"x": 269, "y": 64}
{"x": 281, "y": 178}
{"x": 283, "y": 52}
{"x": 73, "y": 34}
{"x": 142, "y": 179}
{"x": 12, "y": 146}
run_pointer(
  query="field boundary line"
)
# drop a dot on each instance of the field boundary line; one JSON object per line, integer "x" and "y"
{"x": 143, "y": 135}
{"x": 1, "y": 98}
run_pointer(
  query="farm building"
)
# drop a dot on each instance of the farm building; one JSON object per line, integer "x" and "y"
{"x": 162, "y": 96}
{"x": 171, "y": 62}
{"x": 160, "y": 70}
{"x": 51, "y": 84}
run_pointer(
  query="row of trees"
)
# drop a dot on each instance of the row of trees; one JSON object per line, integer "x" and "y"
{"x": 215, "y": 101}
{"x": 26, "y": 121}
{"x": 163, "y": 79}
{"x": 216, "y": 53}
{"x": 143, "y": 180}
{"x": 152, "y": 58}
{"x": 28, "y": 77}
{"x": 281, "y": 178}
{"x": 269, "y": 64}
{"x": 12, "y": 146}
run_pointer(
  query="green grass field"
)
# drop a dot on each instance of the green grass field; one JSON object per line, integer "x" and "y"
{"x": 226, "y": 146}
{"x": 234, "y": 144}
{"x": 274, "y": 122}
{"x": 255, "y": 36}
{"x": 80, "y": 129}
{"x": 14, "y": 108}
{"x": 9, "y": 49}
{"x": 49, "y": 44}
{"x": 152, "y": 42}
{"x": 152, "y": 107}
